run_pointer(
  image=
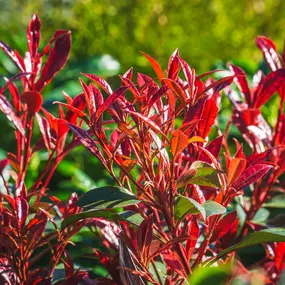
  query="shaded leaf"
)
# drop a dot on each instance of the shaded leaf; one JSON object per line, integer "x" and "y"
{"x": 106, "y": 197}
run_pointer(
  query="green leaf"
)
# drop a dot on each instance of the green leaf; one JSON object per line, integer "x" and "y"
{"x": 107, "y": 214}
{"x": 276, "y": 202}
{"x": 132, "y": 217}
{"x": 206, "y": 275}
{"x": 261, "y": 215}
{"x": 107, "y": 197}
{"x": 185, "y": 205}
{"x": 263, "y": 236}
{"x": 213, "y": 208}
{"x": 206, "y": 175}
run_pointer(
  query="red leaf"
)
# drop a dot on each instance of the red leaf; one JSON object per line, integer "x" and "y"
{"x": 36, "y": 228}
{"x": 89, "y": 98}
{"x": 237, "y": 166}
{"x": 78, "y": 103}
{"x": 56, "y": 60}
{"x": 176, "y": 89}
{"x": 187, "y": 72}
{"x": 144, "y": 236}
{"x": 34, "y": 101}
{"x": 128, "y": 74}
{"x": 241, "y": 82}
{"x": 250, "y": 175}
{"x": 224, "y": 226}
{"x": 155, "y": 65}
{"x": 271, "y": 84}
{"x": 6, "y": 108}
{"x": 214, "y": 147}
{"x": 179, "y": 142}
{"x": 218, "y": 85}
{"x": 157, "y": 95}
{"x": 68, "y": 265}
{"x": 193, "y": 231}
{"x": 110, "y": 100}
{"x": 250, "y": 116}
{"x": 173, "y": 66}
{"x": 270, "y": 54}
{"x": 208, "y": 117}
{"x": 3, "y": 164}
{"x": 33, "y": 35}
{"x": 45, "y": 130}
{"x": 148, "y": 121}
{"x": 101, "y": 82}
{"x": 22, "y": 208}
{"x": 19, "y": 62}
{"x": 15, "y": 96}
{"x": 132, "y": 87}
{"x": 76, "y": 111}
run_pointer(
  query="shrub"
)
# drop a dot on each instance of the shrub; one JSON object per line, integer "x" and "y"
{"x": 183, "y": 204}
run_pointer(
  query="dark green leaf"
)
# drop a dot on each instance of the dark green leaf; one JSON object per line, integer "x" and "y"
{"x": 107, "y": 197}
{"x": 107, "y": 214}
{"x": 263, "y": 236}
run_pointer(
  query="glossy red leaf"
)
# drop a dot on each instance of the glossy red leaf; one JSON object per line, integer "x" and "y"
{"x": 7, "y": 109}
{"x": 214, "y": 147}
{"x": 218, "y": 85}
{"x": 271, "y": 84}
{"x": 193, "y": 231}
{"x": 33, "y": 35}
{"x": 100, "y": 81}
{"x": 3, "y": 164}
{"x": 110, "y": 100}
{"x": 224, "y": 226}
{"x": 13, "y": 78}
{"x": 36, "y": 228}
{"x": 173, "y": 66}
{"x": 18, "y": 61}
{"x": 236, "y": 167}
{"x": 76, "y": 111}
{"x": 270, "y": 54}
{"x": 250, "y": 116}
{"x": 241, "y": 82}
{"x": 15, "y": 96}
{"x": 89, "y": 98}
{"x": 157, "y": 95}
{"x": 78, "y": 103}
{"x": 179, "y": 142}
{"x": 144, "y": 236}
{"x": 155, "y": 65}
{"x": 45, "y": 130}
{"x": 210, "y": 112}
{"x": 176, "y": 89}
{"x": 187, "y": 71}
{"x": 22, "y": 209}
{"x": 34, "y": 101}
{"x": 251, "y": 175}
{"x": 56, "y": 60}
{"x": 128, "y": 74}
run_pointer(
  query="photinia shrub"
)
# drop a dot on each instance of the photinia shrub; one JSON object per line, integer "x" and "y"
{"x": 185, "y": 202}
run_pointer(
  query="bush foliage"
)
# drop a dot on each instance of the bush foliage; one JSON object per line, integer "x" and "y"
{"x": 184, "y": 203}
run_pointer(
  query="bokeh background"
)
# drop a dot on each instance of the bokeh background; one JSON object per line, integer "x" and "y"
{"x": 107, "y": 36}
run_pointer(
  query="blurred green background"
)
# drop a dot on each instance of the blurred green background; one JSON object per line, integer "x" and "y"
{"x": 107, "y": 36}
